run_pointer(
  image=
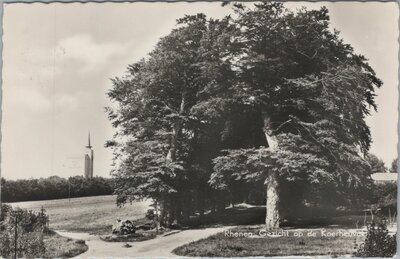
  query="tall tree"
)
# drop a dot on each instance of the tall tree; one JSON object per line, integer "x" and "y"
{"x": 162, "y": 105}
{"x": 270, "y": 96}
{"x": 312, "y": 93}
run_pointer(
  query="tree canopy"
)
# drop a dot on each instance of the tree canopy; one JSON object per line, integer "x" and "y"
{"x": 393, "y": 168}
{"x": 377, "y": 165}
{"x": 266, "y": 95}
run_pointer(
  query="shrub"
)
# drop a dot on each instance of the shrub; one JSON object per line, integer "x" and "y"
{"x": 124, "y": 227}
{"x": 384, "y": 196}
{"x": 4, "y": 211}
{"x": 30, "y": 227}
{"x": 29, "y": 221}
{"x": 150, "y": 214}
{"x": 127, "y": 227}
{"x": 378, "y": 243}
{"x": 81, "y": 242}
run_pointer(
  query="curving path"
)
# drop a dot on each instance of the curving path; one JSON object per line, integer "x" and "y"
{"x": 158, "y": 247}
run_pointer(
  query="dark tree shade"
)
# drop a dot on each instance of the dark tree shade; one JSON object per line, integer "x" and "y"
{"x": 266, "y": 95}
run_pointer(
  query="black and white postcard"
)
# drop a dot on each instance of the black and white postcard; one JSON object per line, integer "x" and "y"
{"x": 199, "y": 129}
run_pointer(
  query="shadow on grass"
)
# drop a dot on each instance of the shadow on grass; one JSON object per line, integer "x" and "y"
{"x": 229, "y": 217}
{"x": 255, "y": 215}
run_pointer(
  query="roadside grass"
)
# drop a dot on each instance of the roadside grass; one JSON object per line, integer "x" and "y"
{"x": 62, "y": 247}
{"x": 220, "y": 245}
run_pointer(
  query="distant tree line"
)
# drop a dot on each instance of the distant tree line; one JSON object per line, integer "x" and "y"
{"x": 383, "y": 196}
{"x": 54, "y": 187}
{"x": 378, "y": 166}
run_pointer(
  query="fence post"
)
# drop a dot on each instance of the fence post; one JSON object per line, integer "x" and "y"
{"x": 17, "y": 215}
{"x": 15, "y": 236}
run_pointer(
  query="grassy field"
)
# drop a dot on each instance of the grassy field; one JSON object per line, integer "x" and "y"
{"x": 223, "y": 245}
{"x": 86, "y": 214}
{"x": 62, "y": 247}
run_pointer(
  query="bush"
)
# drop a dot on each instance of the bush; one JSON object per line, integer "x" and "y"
{"x": 378, "y": 243}
{"x": 30, "y": 228}
{"x": 150, "y": 214}
{"x": 384, "y": 196}
{"x": 124, "y": 227}
{"x": 29, "y": 221}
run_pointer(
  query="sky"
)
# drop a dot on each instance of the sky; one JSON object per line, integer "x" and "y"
{"x": 58, "y": 60}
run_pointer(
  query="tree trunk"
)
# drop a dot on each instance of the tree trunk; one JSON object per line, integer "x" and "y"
{"x": 176, "y": 129}
{"x": 201, "y": 203}
{"x": 171, "y": 211}
{"x": 162, "y": 219}
{"x": 272, "y": 216}
{"x": 179, "y": 208}
{"x": 171, "y": 156}
{"x": 272, "y": 204}
{"x": 186, "y": 208}
{"x": 174, "y": 204}
{"x": 156, "y": 216}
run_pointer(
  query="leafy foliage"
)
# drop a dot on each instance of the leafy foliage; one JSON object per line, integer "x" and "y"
{"x": 384, "y": 196}
{"x": 193, "y": 118}
{"x": 160, "y": 109}
{"x": 30, "y": 230}
{"x": 377, "y": 165}
{"x": 378, "y": 243}
{"x": 393, "y": 168}
{"x": 315, "y": 93}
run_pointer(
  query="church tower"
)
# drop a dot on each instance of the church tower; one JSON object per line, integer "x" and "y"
{"x": 89, "y": 160}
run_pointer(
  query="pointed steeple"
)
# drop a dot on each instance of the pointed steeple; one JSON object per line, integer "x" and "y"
{"x": 89, "y": 146}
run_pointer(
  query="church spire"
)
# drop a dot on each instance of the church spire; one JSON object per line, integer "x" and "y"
{"x": 89, "y": 146}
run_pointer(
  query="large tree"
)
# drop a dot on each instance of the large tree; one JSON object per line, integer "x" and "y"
{"x": 168, "y": 124}
{"x": 269, "y": 96}
{"x": 312, "y": 93}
